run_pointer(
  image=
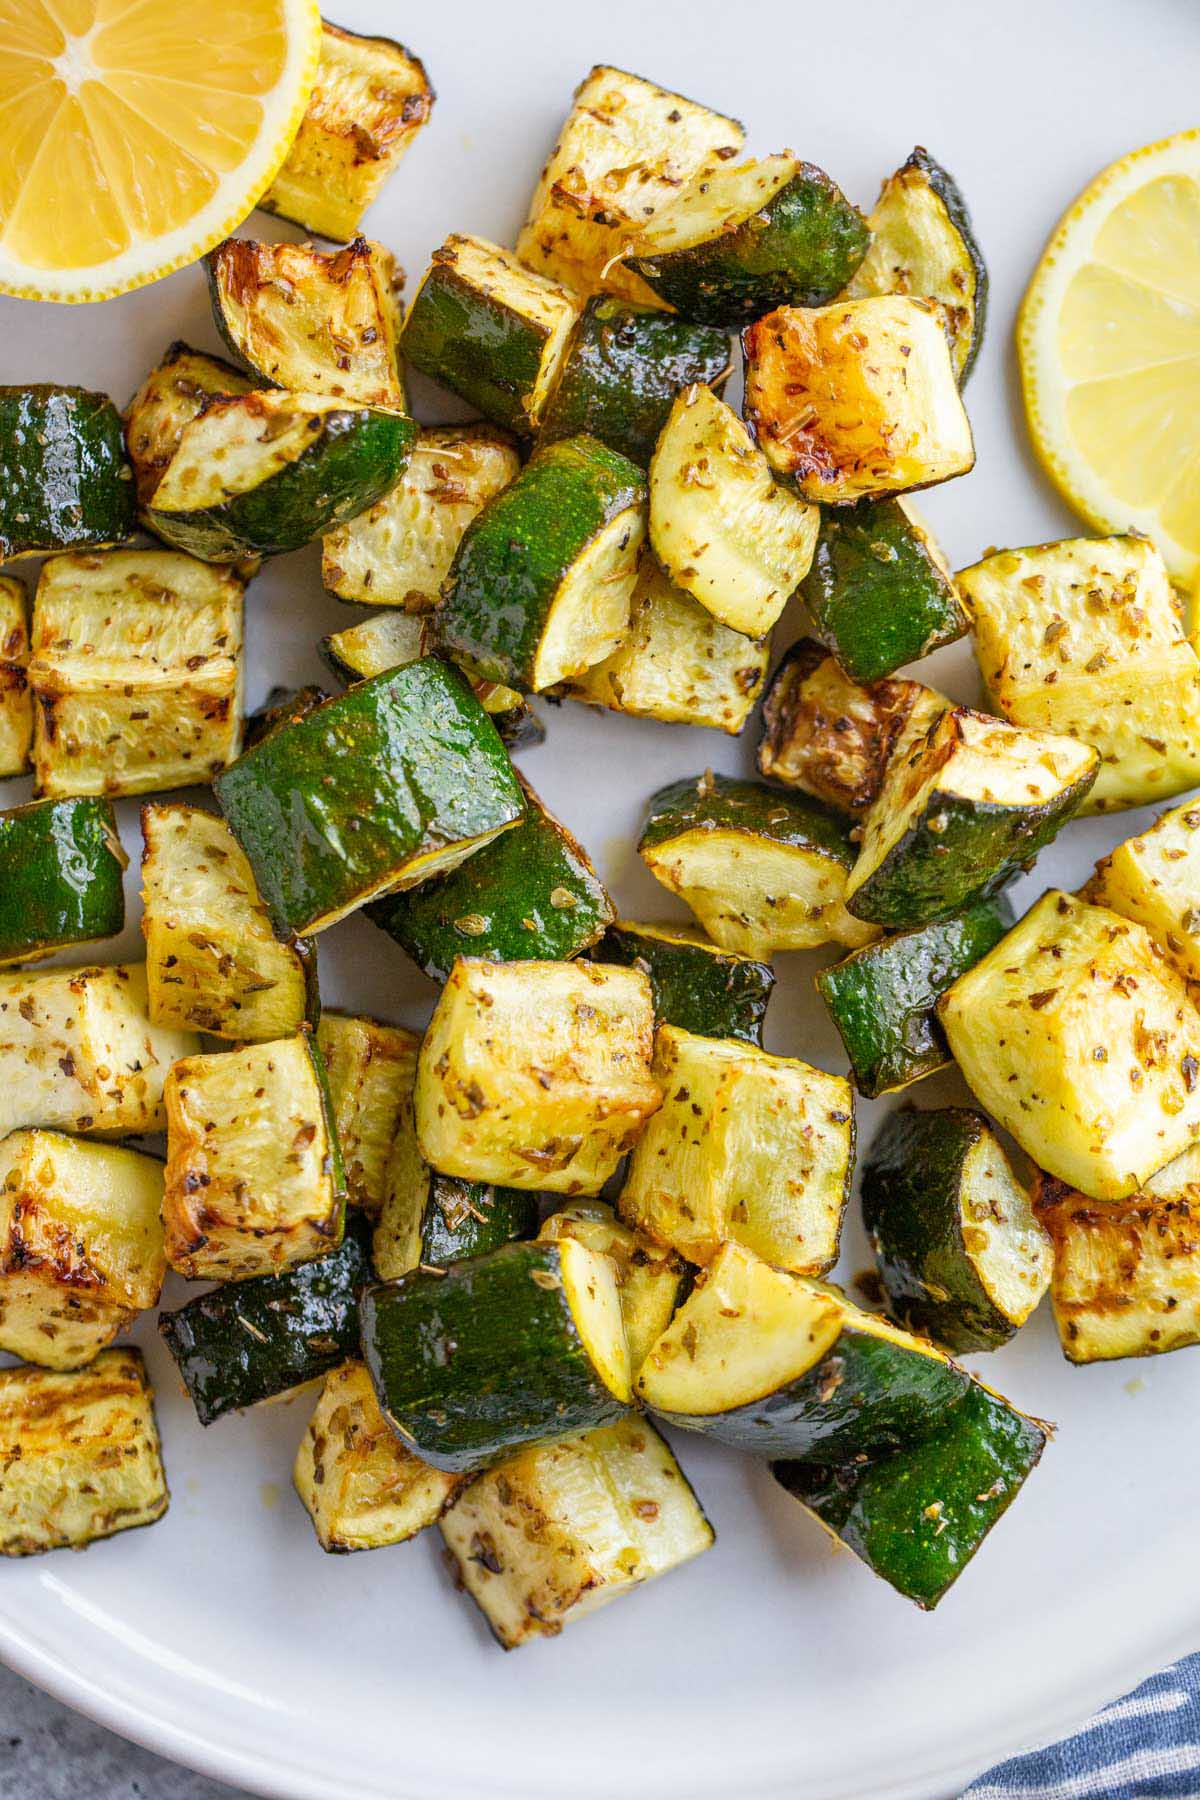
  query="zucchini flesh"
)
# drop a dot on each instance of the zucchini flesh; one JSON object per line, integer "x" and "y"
{"x": 557, "y": 1531}
{"x": 879, "y": 592}
{"x": 379, "y": 788}
{"x": 174, "y": 393}
{"x": 542, "y": 582}
{"x": 1154, "y": 879}
{"x": 532, "y": 894}
{"x": 958, "y": 1248}
{"x": 79, "y": 1453}
{"x": 780, "y": 1366}
{"x": 856, "y": 400}
{"x": 747, "y": 238}
{"x": 883, "y": 998}
{"x": 67, "y": 484}
{"x": 61, "y": 867}
{"x": 650, "y": 1280}
{"x": 917, "y": 1516}
{"x": 1080, "y": 1039}
{"x": 248, "y": 1341}
{"x": 722, "y": 527}
{"x": 539, "y": 1352}
{"x": 370, "y": 1068}
{"x": 746, "y": 1146}
{"x": 16, "y": 702}
{"x": 696, "y": 985}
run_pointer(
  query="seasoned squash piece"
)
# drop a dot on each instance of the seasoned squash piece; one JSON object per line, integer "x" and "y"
{"x": 371, "y": 98}
{"x": 650, "y": 1279}
{"x": 78, "y": 1050}
{"x": 1084, "y": 637}
{"x": 536, "y": 1074}
{"x": 747, "y": 1146}
{"x": 371, "y": 1068}
{"x": 856, "y": 400}
{"x": 362, "y": 1487}
{"x": 254, "y": 1180}
{"x": 213, "y": 962}
{"x": 136, "y": 667}
{"x": 81, "y": 1244}
{"x": 173, "y": 394}
{"x": 558, "y": 1530}
{"x": 1078, "y": 1036}
{"x": 1154, "y": 878}
{"x": 79, "y": 1455}
{"x": 16, "y": 702}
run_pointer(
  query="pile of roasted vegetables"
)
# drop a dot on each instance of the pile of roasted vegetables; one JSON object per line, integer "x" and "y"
{"x": 587, "y": 1199}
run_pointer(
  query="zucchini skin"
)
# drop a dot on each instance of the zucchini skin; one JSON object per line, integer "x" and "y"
{"x": 247, "y": 1341}
{"x": 516, "y": 553}
{"x": 415, "y": 764}
{"x": 918, "y": 1516}
{"x": 623, "y": 370}
{"x": 800, "y": 250}
{"x": 452, "y": 1229}
{"x": 723, "y": 802}
{"x": 959, "y": 214}
{"x": 471, "y": 1364}
{"x": 60, "y": 876}
{"x": 65, "y": 483}
{"x": 883, "y": 998}
{"x": 357, "y": 455}
{"x": 530, "y": 895}
{"x": 699, "y": 988}
{"x": 875, "y": 597}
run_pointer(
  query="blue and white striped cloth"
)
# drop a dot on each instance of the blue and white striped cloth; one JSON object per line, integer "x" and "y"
{"x": 1145, "y": 1745}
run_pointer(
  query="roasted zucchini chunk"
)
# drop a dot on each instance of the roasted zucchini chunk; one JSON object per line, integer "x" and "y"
{"x": 67, "y": 484}
{"x": 748, "y": 237}
{"x": 1079, "y": 1037}
{"x": 79, "y": 1455}
{"x": 623, "y": 368}
{"x": 650, "y": 1279}
{"x": 387, "y": 640}
{"x": 536, "y": 1074}
{"x": 213, "y": 962}
{"x": 313, "y": 321}
{"x": 542, "y": 583}
{"x": 762, "y": 870}
{"x": 16, "y": 702}
{"x": 360, "y": 1485}
{"x": 754, "y": 1148}
{"x": 917, "y": 1516}
{"x": 256, "y": 474}
{"x": 81, "y": 1245}
{"x": 696, "y": 985}
{"x": 676, "y": 662}
{"x": 484, "y": 326}
{"x": 371, "y": 1068}
{"x": 1126, "y": 1276}
{"x": 78, "y": 1050}
{"x": 625, "y": 151}
{"x": 922, "y": 243}
{"x": 722, "y": 527}
{"x": 531, "y": 895}
{"x": 1154, "y": 878}
{"x": 780, "y": 1366}
{"x": 1084, "y": 637}
{"x": 136, "y": 668}
{"x": 398, "y": 552}
{"x": 371, "y": 98}
{"x": 826, "y": 735}
{"x": 539, "y": 1352}
{"x": 172, "y": 395}
{"x": 557, "y": 1531}
{"x": 880, "y": 592}
{"x": 963, "y": 807}
{"x": 244, "y": 1342}
{"x": 393, "y": 781}
{"x": 254, "y": 1179}
{"x": 857, "y": 400}
{"x": 883, "y": 998}
{"x": 958, "y": 1249}
{"x": 430, "y": 1220}
{"x": 61, "y": 867}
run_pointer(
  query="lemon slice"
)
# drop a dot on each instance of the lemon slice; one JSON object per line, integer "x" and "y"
{"x": 1109, "y": 344}
{"x": 135, "y": 134}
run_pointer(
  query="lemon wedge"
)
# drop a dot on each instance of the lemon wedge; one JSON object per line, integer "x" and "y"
{"x": 1109, "y": 345}
{"x": 133, "y": 136}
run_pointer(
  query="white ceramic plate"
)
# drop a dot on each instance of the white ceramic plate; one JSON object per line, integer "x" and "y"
{"x": 771, "y": 1667}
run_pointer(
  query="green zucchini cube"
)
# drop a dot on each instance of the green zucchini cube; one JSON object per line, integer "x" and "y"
{"x": 254, "y": 1181}
{"x": 696, "y": 985}
{"x": 396, "y": 780}
{"x": 61, "y": 870}
{"x": 16, "y": 702}
{"x": 67, "y": 484}
{"x": 371, "y": 1068}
